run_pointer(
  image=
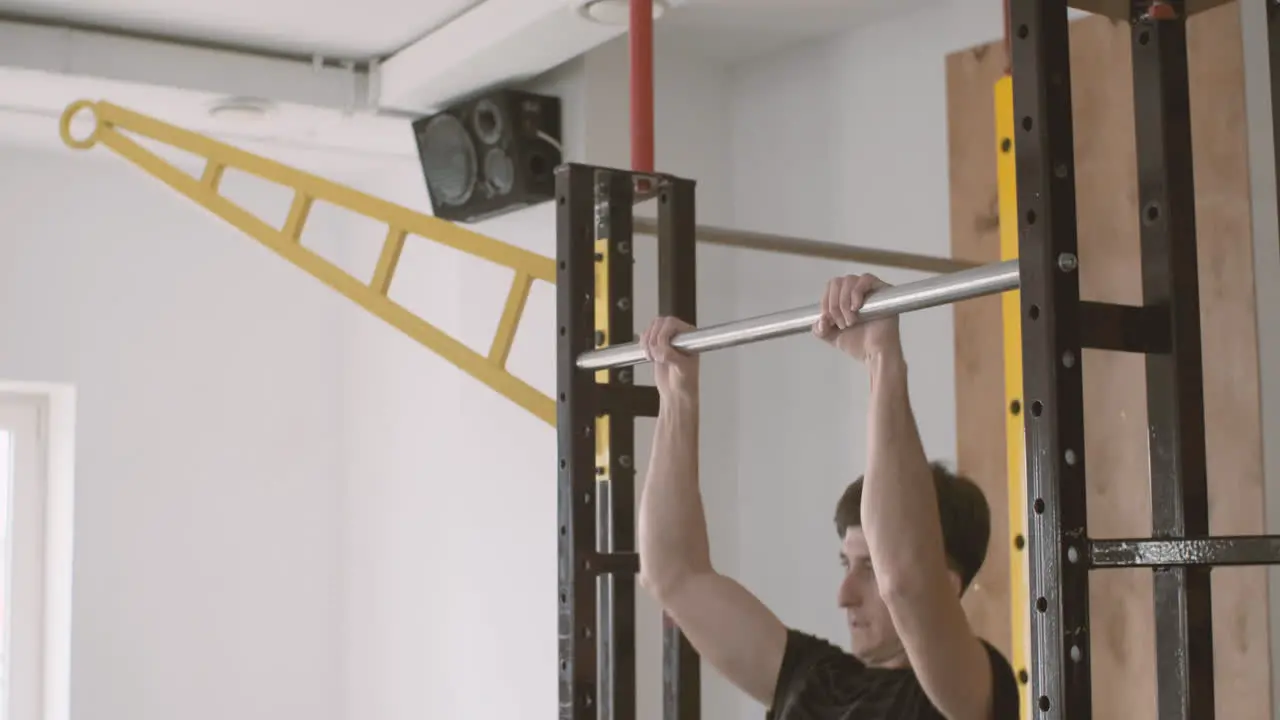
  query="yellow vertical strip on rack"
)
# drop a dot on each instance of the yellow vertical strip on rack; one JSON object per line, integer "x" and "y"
{"x": 1006, "y": 174}
{"x": 602, "y": 337}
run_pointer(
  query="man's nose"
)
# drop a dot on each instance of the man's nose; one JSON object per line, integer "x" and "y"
{"x": 850, "y": 595}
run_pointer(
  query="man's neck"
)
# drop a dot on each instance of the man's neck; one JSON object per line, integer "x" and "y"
{"x": 889, "y": 660}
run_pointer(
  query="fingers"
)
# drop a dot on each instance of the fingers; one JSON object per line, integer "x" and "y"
{"x": 662, "y": 340}
{"x": 843, "y": 298}
{"x": 646, "y": 338}
{"x": 656, "y": 339}
{"x": 850, "y": 300}
{"x": 862, "y": 287}
{"x": 831, "y": 304}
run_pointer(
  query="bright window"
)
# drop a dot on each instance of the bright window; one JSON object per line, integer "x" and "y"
{"x": 22, "y": 581}
{"x": 35, "y": 554}
{"x": 6, "y": 492}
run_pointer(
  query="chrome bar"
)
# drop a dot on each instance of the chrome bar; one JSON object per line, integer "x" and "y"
{"x": 786, "y": 244}
{"x": 931, "y": 292}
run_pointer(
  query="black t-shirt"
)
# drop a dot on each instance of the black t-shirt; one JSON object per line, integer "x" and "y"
{"x": 819, "y": 681}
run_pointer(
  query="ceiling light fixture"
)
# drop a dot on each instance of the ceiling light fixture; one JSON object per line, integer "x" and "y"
{"x": 240, "y": 109}
{"x": 614, "y": 12}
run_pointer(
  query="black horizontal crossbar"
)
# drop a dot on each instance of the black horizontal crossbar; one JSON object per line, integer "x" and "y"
{"x": 615, "y": 563}
{"x": 639, "y": 400}
{"x": 1185, "y": 552}
{"x": 1124, "y": 328}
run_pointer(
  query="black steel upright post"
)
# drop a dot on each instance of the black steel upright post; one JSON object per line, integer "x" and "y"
{"x": 1175, "y": 384}
{"x": 615, "y": 445}
{"x": 595, "y": 427}
{"x": 1052, "y": 378}
{"x": 575, "y": 426}
{"x": 677, "y": 296}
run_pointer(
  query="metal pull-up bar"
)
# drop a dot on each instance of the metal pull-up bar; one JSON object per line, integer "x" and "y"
{"x": 932, "y": 292}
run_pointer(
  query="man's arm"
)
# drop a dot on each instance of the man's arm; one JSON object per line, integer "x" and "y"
{"x": 900, "y": 514}
{"x": 904, "y": 536}
{"x": 724, "y": 622}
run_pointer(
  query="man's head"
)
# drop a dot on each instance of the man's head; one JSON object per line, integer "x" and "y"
{"x": 966, "y": 531}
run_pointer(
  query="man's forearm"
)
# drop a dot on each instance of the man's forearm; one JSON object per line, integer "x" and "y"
{"x": 899, "y": 506}
{"x": 673, "y": 526}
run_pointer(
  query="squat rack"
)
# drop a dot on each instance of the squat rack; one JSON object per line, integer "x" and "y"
{"x": 598, "y": 400}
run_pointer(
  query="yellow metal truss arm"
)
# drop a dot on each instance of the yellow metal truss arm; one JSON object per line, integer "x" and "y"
{"x": 400, "y": 222}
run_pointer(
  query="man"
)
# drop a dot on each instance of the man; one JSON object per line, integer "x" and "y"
{"x": 913, "y": 536}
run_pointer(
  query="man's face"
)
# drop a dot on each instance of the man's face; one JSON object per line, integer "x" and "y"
{"x": 874, "y": 639}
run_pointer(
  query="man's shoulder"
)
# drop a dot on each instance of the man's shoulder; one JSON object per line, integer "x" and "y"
{"x": 1004, "y": 684}
{"x": 998, "y": 661}
{"x": 997, "y": 657}
{"x": 806, "y": 652}
{"x": 818, "y": 673}
{"x": 813, "y": 671}
{"x": 807, "y": 648}
{"x": 807, "y": 644}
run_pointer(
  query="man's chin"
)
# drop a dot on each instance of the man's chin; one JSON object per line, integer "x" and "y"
{"x": 858, "y": 645}
{"x": 862, "y": 645}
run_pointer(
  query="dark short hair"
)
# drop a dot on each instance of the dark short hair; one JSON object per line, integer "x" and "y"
{"x": 966, "y": 518}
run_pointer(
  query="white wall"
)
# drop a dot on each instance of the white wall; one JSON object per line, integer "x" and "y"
{"x": 206, "y": 580}
{"x": 286, "y": 506}
{"x": 452, "y": 493}
{"x": 430, "y": 500}
{"x": 451, "y": 501}
{"x": 846, "y": 141}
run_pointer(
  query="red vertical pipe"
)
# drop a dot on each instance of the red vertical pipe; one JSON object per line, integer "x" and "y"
{"x": 641, "y": 37}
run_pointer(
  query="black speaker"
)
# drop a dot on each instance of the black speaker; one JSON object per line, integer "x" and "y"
{"x": 490, "y": 155}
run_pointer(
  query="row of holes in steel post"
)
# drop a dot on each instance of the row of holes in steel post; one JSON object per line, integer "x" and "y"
{"x": 564, "y": 464}
{"x": 1151, "y": 213}
{"x": 1060, "y": 170}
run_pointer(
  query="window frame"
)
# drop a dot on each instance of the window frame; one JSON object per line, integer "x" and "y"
{"x": 40, "y": 420}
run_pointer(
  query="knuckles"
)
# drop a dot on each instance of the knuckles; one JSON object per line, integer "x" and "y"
{"x": 656, "y": 340}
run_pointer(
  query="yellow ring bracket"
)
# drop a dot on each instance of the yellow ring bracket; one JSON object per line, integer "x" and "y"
{"x": 64, "y": 124}
{"x": 1007, "y": 197}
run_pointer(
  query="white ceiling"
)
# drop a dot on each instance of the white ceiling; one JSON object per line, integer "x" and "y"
{"x": 175, "y": 58}
{"x": 371, "y": 28}
{"x": 379, "y": 28}
{"x": 736, "y": 30}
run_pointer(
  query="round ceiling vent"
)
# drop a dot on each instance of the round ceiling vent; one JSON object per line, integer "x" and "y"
{"x": 614, "y": 12}
{"x": 241, "y": 109}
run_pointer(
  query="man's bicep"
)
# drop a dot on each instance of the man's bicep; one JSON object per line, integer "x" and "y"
{"x": 731, "y": 629}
